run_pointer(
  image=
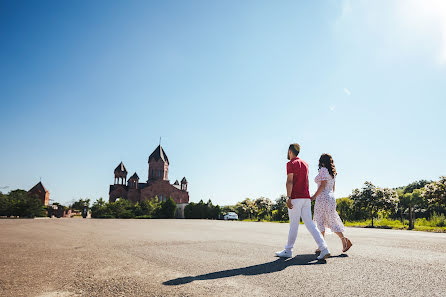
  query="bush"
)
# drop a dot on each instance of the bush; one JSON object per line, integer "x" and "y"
{"x": 125, "y": 209}
{"x": 280, "y": 210}
{"x": 166, "y": 209}
{"x": 202, "y": 210}
{"x": 435, "y": 220}
{"x": 21, "y": 203}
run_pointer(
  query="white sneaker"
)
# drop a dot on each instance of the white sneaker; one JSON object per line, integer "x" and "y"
{"x": 324, "y": 254}
{"x": 284, "y": 254}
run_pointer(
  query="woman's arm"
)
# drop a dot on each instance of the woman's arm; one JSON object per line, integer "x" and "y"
{"x": 334, "y": 186}
{"x": 319, "y": 190}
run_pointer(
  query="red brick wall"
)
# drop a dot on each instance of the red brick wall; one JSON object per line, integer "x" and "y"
{"x": 156, "y": 188}
{"x": 117, "y": 191}
{"x": 43, "y": 196}
{"x": 133, "y": 195}
{"x": 165, "y": 189}
{"x": 156, "y": 166}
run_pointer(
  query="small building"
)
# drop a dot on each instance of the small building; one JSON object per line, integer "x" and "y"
{"x": 157, "y": 185}
{"x": 41, "y": 192}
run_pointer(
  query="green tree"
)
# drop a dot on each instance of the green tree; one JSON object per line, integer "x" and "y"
{"x": 22, "y": 204}
{"x": 213, "y": 211}
{"x": 122, "y": 208}
{"x": 167, "y": 209}
{"x": 228, "y": 208}
{"x": 420, "y": 184}
{"x": 411, "y": 201}
{"x": 5, "y": 205}
{"x": 189, "y": 211}
{"x": 246, "y": 209}
{"x": 202, "y": 210}
{"x": 435, "y": 194}
{"x": 280, "y": 210}
{"x": 100, "y": 209}
{"x": 344, "y": 206}
{"x": 148, "y": 206}
{"x": 263, "y": 207}
{"x": 79, "y": 204}
{"x": 373, "y": 199}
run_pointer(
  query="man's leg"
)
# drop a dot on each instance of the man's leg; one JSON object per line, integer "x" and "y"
{"x": 294, "y": 215}
{"x": 308, "y": 221}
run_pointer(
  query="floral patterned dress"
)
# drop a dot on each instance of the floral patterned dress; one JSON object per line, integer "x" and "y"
{"x": 325, "y": 214}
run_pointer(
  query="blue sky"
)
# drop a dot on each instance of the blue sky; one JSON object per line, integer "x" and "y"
{"x": 228, "y": 85}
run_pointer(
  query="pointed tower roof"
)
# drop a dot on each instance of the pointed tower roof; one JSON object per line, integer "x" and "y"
{"x": 184, "y": 180}
{"x": 176, "y": 183}
{"x": 121, "y": 168}
{"x": 134, "y": 176}
{"x": 159, "y": 154}
{"x": 39, "y": 187}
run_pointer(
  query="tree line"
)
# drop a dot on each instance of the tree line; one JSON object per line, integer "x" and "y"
{"x": 420, "y": 199}
{"x": 20, "y": 203}
{"x": 125, "y": 209}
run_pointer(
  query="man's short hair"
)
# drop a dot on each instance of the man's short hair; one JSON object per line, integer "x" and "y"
{"x": 295, "y": 148}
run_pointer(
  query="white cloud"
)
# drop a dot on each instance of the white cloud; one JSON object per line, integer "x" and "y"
{"x": 332, "y": 107}
{"x": 428, "y": 16}
{"x": 394, "y": 29}
{"x": 347, "y": 91}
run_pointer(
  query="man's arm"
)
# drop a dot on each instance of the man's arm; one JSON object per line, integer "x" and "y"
{"x": 319, "y": 190}
{"x": 289, "y": 189}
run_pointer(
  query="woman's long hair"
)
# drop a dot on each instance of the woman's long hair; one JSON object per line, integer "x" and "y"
{"x": 327, "y": 161}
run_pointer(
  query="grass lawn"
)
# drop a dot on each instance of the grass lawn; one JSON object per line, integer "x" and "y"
{"x": 423, "y": 224}
{"x": 396, "y": 224}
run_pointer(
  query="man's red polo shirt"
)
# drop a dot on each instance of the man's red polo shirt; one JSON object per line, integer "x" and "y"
{"x": 300, "y": 178}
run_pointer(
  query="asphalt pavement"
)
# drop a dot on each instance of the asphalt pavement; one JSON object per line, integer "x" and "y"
{"x": 94, "y": 257}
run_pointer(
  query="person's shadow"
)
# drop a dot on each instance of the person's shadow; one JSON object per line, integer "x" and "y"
{"x": 269, "y": 267}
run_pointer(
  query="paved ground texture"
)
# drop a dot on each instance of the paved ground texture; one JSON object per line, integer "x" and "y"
{"x": 88, "y": 257}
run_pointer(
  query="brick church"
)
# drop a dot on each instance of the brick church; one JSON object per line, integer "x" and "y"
{"x": 40, "y": 192}
{"x": 157, "y": 184}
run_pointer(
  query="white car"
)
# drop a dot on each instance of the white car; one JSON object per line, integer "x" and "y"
{"x": 230, "y": 216}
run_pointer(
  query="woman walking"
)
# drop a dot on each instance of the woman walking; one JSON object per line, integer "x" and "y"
{"x": 325, "y": 214}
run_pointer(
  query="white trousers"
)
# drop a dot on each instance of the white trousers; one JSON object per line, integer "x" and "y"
{"x": 302, "y": 208}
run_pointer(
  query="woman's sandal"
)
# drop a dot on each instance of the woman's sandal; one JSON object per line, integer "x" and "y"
{"x": 317, "y": 252}
{"x": 346, "y": 243}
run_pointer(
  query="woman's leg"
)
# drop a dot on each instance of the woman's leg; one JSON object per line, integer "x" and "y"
{"x": 343, "y": 239}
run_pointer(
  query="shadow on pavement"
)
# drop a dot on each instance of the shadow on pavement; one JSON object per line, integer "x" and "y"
{"x": 269, "y": 267}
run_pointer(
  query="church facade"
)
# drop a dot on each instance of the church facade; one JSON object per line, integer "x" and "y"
{"x": 157, "y": 184}
{"x": 40, "y": 192}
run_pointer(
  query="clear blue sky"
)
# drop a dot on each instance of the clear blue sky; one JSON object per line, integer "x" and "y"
{"x": 228, "y": 85}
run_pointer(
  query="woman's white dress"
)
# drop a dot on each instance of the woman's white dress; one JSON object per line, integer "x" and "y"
{"x": 325, "y": 214}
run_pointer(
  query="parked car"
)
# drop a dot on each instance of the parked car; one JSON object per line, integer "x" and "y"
{"x": 230, "y": 216}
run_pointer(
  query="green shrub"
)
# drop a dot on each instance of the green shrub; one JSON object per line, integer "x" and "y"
{"x": 436, "y": 220}
{"x": 203, "y": 210}
{"x": 144, "y": 217}
{"x": 21, "y": 203}
{"x": 166, "y": 209}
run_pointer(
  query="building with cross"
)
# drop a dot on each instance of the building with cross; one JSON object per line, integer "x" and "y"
{"x": 40, "y": 192}
{"x": 157, "y": 184}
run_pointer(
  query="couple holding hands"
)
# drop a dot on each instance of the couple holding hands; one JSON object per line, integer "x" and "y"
{"x": 299, "y": 203}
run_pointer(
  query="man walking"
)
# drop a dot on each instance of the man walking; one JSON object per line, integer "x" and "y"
{"x": 299, "y": 204}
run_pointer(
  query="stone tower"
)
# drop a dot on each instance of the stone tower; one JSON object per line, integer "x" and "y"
{"x": 120, "y": 174}
{"x": 158, "y": 165}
